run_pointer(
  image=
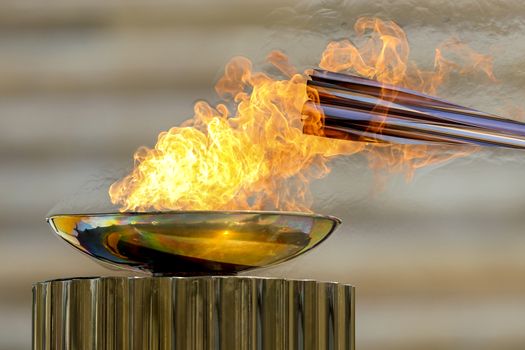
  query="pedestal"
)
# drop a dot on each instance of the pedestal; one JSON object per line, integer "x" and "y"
{"x": 226, "y": 313}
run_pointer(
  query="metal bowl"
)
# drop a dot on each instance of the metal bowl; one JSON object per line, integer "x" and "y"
{"x": 194, "y": 242}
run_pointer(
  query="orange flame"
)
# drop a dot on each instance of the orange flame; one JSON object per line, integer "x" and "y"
{"x": 384, "y": 56}
{"x": 258, "y": 157}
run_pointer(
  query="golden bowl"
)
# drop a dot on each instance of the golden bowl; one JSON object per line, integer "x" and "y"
{"x": 194, "y": 242}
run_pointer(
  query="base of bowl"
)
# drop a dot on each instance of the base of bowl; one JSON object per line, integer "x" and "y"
{"x": 213, "y": 312}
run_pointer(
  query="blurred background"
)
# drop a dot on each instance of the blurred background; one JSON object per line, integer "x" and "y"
{"x": 438, "y": 262}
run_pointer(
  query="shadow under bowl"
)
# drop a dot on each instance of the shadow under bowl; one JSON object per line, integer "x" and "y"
{"x": 194, "y": 242}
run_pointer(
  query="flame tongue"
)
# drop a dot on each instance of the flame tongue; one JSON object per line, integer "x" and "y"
{"x": 258, "y": 157}
{"x": 384, "y": 56}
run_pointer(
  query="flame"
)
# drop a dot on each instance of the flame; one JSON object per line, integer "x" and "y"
{"x": 258, "y": 156}
{"x": 384, "y": 56}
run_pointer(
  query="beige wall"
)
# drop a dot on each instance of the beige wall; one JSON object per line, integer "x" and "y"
{"x": 439, "y": 262}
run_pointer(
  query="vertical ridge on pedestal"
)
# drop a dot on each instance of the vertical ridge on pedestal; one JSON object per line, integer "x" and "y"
{"x": 192, "y": 313}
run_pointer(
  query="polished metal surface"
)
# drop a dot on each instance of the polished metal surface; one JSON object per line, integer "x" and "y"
{"x": 194, "y": 242}
{"x": 360, "y": 109}
{"x": 227, "y": 313}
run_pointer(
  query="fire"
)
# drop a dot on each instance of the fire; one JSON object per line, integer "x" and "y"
{"x": 257, "y": 157}
{"x": 384, "y": 56}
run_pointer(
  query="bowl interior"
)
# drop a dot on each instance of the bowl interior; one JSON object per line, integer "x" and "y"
{"x": 194, "y": 242}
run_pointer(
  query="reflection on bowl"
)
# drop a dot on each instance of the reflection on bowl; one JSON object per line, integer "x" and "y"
{"x": 194, "y": 242}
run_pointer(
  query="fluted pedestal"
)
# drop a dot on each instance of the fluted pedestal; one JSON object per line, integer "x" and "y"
{"x": 226, "y": 313}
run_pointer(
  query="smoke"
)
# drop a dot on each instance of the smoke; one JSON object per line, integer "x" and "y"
{"x": 91, "y": 196}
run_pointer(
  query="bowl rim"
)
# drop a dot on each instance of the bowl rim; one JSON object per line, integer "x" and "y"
{"x": 335, "y": 219}
{"x": 335, "y": 223}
